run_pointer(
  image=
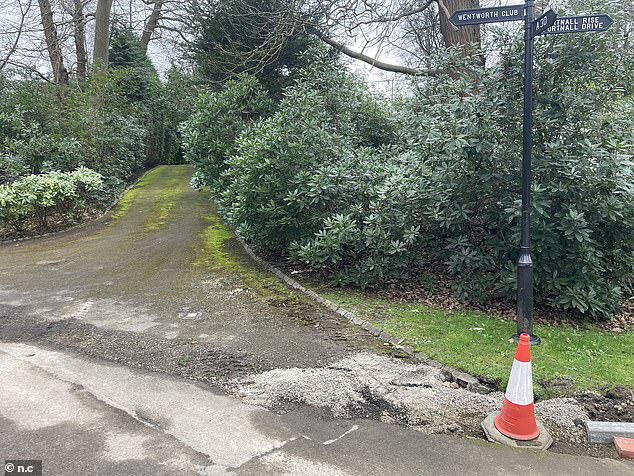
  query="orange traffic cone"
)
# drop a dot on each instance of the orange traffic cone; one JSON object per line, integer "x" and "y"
{"x": 517, "y": 418}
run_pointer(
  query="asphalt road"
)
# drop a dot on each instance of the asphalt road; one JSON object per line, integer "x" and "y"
{"x": 116, "y": 338}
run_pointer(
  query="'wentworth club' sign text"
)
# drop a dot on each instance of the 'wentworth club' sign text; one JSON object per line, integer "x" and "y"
{"x": 487, "y": 15}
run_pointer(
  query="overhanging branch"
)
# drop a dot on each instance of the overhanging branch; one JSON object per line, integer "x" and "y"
{"x": 394, "y": 68}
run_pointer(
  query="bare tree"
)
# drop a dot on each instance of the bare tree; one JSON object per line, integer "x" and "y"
{"x": 392, "y": 25}
{"x": 372, "y": 27}
{"x": 465, "y": 36}
{"x": 151, "y": 24}
{"x": 367, "y": 30}
{"x": 60, "y": 74}
{"x": 70, "y": 29}
{"x": 422, "y": 31}
{"x": 15, "y": 30}
{"x": 102, "y": 35}
{"x": 373, "y": 61}
{"x": 79, "y": 21}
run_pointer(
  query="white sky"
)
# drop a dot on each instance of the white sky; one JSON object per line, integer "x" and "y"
{"x": 162, "y": 51}
{"x": 388, "y": 83}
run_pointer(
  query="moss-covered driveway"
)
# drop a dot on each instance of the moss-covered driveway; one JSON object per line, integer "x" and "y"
{"x": 163, "y": 266}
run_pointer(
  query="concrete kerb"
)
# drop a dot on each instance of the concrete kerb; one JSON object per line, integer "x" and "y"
{"x": 605, "y": 431}
{"x": 469, "y": 382}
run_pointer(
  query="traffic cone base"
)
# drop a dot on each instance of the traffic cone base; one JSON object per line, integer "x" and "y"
{"x": 541, "y": 443}
{"x": 517, "y": 421}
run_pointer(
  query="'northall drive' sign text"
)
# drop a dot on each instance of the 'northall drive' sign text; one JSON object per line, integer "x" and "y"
{"x": 487, "y": 15}
{"x": 579, "y": 24}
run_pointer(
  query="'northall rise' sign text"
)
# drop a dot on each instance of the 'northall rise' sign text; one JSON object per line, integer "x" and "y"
{"x": 579, "y": 24}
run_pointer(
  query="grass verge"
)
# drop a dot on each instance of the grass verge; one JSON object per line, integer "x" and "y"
{"x": 569, "y": 358}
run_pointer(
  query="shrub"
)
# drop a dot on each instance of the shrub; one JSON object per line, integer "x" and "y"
{"x": 114, "y": 123}
{"x": 36, "y": 200}
{"x": 31, "y": 140}
{"x": 366, "y": 193}
{"x": 375, "y": 233}
{"x": 141, "y": 94}
{"x": 218, "y": 118}
{"x": 288, "y": 171}
{"x": 180, "y": 93}
{"x": 583, "y": 199}
{"x": 63, "y": 129}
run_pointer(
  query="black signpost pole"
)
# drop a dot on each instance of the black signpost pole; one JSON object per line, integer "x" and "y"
{"x": 547, "y": 24}
{"x": 525, "y": 262}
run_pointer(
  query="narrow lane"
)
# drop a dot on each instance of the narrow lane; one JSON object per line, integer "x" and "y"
{"x": 82, "y": 417}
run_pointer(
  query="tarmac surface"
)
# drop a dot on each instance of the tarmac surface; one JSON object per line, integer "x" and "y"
{"x": 117, "y": 343}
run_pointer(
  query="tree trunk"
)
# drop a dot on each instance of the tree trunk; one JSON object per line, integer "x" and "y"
{"x": 151, "y": 24}
{"x": 466, "y": 36}
{"x": 102, "y": 35}
{"x": 60, "y": 74}
{"x": 80, "y": 39}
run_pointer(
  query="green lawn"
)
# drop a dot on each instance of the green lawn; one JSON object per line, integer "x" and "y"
{"x": 479, "y": 344}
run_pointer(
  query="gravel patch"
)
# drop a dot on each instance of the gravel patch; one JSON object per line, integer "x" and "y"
{"x": 564, "y": 419}
{"x": 390, "y": 390}
{"x": 322, "y": 388}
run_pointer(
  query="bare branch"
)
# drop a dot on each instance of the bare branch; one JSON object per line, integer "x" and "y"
{"x": 30, "y": 69}
{"x": 394, "y": 68}
{"x": 24, "y": 11}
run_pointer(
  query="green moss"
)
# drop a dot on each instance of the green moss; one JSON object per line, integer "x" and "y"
{"x": 166, "y": 199}
{"x": 479, "y": 344}
{"x": 184, "y": 360}
{"x": 126, "y": 202}
{"x": 221, "y": 251}
{"x": 214, "y": 238}
{"x": 163, "y": 194}
{"x": 133, "y": 194}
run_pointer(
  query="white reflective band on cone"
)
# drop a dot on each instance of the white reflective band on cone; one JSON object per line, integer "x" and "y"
{"x": 520, "y": 387}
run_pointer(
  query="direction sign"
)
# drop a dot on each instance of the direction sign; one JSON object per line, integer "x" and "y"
{"x": 547, "y": 24}
{"x": 579, "y": 24}
{"x": 544, "y": 22}
{"x": 476, "y": 16}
